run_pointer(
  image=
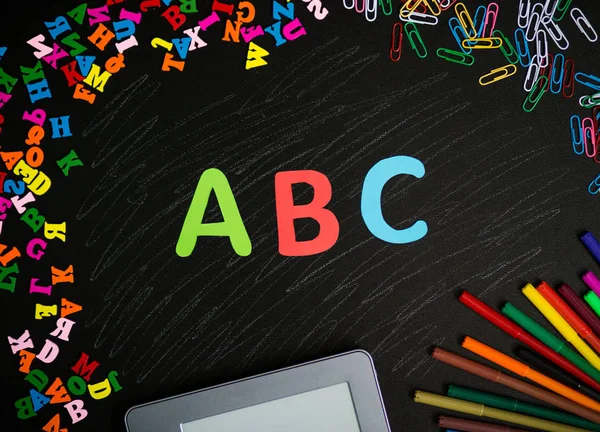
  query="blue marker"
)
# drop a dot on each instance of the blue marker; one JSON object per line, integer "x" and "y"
{"x": 592, "y": 244}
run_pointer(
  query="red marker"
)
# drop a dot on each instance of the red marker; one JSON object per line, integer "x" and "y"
{"x": 569, "y": 315}
{"x": 520, "y": 334}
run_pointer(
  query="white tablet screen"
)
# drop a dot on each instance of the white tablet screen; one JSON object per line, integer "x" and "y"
{"x": 329, "y": 409}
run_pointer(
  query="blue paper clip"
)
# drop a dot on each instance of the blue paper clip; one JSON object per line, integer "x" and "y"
{"x": 479, "y": 20}
{"x": 557, "y": 74}
{"x": 588, "y": 80}
{"x": 522, "y": 47}
{"x": 595, "y": 184}
{"x": 459, "y": 33}
{"x": 576, "y": 135}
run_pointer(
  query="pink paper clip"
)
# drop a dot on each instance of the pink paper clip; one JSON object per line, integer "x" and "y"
{"x": 490, "y": 20}
{"x": 397, "y": 36}
{"x": 356, "y": 2}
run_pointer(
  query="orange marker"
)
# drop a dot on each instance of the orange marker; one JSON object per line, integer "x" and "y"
{"x": 523, "y": 370}
{"x": 569, "y": 315}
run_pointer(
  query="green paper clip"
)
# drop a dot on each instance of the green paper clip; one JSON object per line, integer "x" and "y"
{"x": 536, "y": 93}
{"x": 561, "y": 9}
{"x": 383, "y": 8}
{"x": 415, "y": 39}
{"x": 455, "y": 56}
{"x": 507, "y": 47}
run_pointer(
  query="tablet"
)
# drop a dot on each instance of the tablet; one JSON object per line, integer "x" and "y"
{"x": 337, "y": 393}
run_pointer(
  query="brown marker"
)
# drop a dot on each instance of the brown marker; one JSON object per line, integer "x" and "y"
{"x": 515, "y": 384}
{"x": 473, "y": 426}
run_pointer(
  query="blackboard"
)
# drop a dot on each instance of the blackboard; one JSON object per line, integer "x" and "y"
{"x": 504, "y": 198}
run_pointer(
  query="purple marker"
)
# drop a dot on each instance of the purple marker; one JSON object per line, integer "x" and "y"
{"x": 592, "y": 281}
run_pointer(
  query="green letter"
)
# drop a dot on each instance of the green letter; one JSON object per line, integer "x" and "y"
{"x": 232, "y": 225}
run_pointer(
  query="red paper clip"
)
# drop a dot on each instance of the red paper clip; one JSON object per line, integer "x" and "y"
{"x": 397, "y": 35}
{"x": 569, "y": 79}
{"x": 589, "y": 137}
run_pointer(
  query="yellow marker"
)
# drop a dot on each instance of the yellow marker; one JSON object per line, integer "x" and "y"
{"x": 561, "y": 325}
{"x": 481, "y": 410}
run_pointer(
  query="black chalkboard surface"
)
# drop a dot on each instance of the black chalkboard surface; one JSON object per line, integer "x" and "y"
{"x": 504, "y": 197}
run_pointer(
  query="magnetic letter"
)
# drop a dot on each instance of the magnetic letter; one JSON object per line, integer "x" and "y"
{"x": 23, "y": 342}
{"x": 76, "y": 411}
{"x": 59, "y": 276}
{"x": 83, "y": 368}
{"x": 63, "y": 329}
{"x": 49, "y": 352}
{"x": 43, "y": 311}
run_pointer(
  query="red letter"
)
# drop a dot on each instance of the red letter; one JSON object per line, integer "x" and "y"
{"x": 287, "y": 212}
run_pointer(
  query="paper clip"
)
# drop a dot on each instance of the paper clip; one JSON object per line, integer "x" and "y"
{"x": 556, "y": 34}
{"x": 415, "y": 39}
{"x": 541, "y": 44}
{"x": 561, "y": 9}
{"x": 507, "y": 47}
{"x": 596, "y": 118}
{"x": 576, "y": 135}
{"x": 479, "y": 20}
{"x": 390, "y": 7}
{"x": 371, "y": 10}
{"x": 535, "y": 17}
{"x": 490, "y": 20}
{"x": 524, "y": 7}
{"x": 482, "y": 43}
{"x": 594, "y": 184}
{"x": 533, "y": 73}
{"x": 455, "y": 56}
{"x": 547, "y": 71}
{"x": 459, "y": 33}
{"x": 498, "y": 74}
{"x": 411, "y": 6}
{"x": 549, "y": 8}
{"x": 433, "y": 6}
{"x": 590, "y": 102}
{"x": 420, "y": 18}
{"x": 364, "y": 2}
{"x": 446, "y": 4}
{"x": 557, "y": 73}
{"x": 591, "y": 81}
{"x": 569, "y": 79}
{"x": 349, "y": 4}
{"x": 397, "y": 36}
{"x": 522, "y": 47}
{"x": 465, "y": 19}
{"x": 589, "y": 136}
{"x": 584, "y": 25}
{"x": 535, "y": 95}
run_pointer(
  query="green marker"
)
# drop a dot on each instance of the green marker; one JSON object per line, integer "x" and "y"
{"x": 514, "y": 405}
{"x": 593, "y": 300}
{"x": 550, "y": 340}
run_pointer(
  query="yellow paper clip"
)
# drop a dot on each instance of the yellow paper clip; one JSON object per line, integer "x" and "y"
{"x": 433, "y": 6}
{"x": 409, "y": 7}
{"x": 498, "y": 74}
{"x": 482, "y": 43}
{"x": 465, "y": 19}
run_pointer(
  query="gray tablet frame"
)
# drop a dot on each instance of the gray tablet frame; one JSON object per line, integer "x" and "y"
{"x": 354, "y": 367}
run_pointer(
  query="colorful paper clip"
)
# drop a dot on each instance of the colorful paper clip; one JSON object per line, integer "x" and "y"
{"x": 589, "y": 136}
{"x": 590, "y": 102}
{"x": 594, "y": 186}
{"x": 479, "y": 20}
{"x": 535, "y": 18}
{"x": 533, "y": 73}
{"x": 371, "y": 10}
{"x": 465, "y": 19}
{"x": 420, "y": 18}
{"x": 541, "y": 44}
{"x": 356, "y": 2}
{"x": 482, "y": 43}
{"x": 349, "y": 4}
{"x": 498, "y": 74}
{"x": 557, "y": 74}
{"x": 549, "y": 8}
{"x": 459, "y": 33}
{"x": 491, "y": 16}
{"x": 523, "y": 19}
{"x": 412, "y": 6}
{"x": 561, "y": 9}
{"x": 547, "y": 71}
{"x": 455, "y": 56}
{"x": 596, "y": 118}
{"x": 507, "y": 47}
{"x": 396, "y": 48}
{"x": 446, "y": 4}
{"x": 390, "y": 8}
{"x": 584, "y": 25}
{"x": 576, "y": 135}
{"x": 556, "y": 34}
{"x": 569, "y": 79}
{"x": 433, "y": 6}
{"x": 591, "y": 81}
{"x": 522, "y": 47}
{"x": 535, "y": 95}
{"x": 415, "y": 39}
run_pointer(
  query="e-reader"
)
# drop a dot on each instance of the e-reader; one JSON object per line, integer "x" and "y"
{"x": 334, "y": 394}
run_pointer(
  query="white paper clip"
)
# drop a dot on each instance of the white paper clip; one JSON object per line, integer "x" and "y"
{"x": 524, "y": 6}
{"x": 541, "y": 43}
{"x": 420, "y": 18}
{"x": 533, "y": 72}
{"x": 371, "y": 10}
{"x": 557, "y": 35}
{"x": 549, "y": 8}
{"x": 584, "y": 25}
{"x": 535, "y": 18}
